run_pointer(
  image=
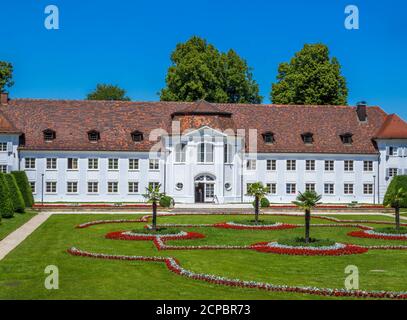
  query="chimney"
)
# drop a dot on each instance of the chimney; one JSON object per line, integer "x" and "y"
{"x": 361, "y": 111}
{"x": 4, "y": 98}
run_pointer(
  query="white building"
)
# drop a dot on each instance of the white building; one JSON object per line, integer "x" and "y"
{"x": 99, "y": 151}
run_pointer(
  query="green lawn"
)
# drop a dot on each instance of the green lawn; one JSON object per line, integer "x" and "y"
{"x": 7, "y": 226}
{"x": 22, "y": 271}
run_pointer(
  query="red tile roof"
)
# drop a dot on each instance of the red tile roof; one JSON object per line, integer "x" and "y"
{"x": 116, "y": 120}
{"x": 393, "y": 128}
{"x": 6, "y": 126}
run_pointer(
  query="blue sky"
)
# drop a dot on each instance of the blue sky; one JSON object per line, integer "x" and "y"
{"x": 129, "y": 43}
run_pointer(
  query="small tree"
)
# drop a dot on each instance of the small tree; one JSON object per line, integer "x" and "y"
{"x": 108, "y": 92}
{"x": 307, "y": 201}
{"x": 394, "y": 199}
{"x": 6, "y": 204}
{"x": 16, "y": 196}
{"x": 258, "y": 191}
{"x": 24, "y": 186}
{"x": 6, "y": 75}
{"x": 153, "y": 195}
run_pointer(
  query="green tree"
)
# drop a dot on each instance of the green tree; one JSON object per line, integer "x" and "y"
{"x": 24, "y": 186}
{"x": 311, "y": 77}
{"x": 394, "y": 199}
{"x": 153, "y": 195}
{"x": 258, "y": 191}
{"x": 200, "y": 71}
{"x": 16, "y": 195}
{"x": 6, "y": 75}
{"x": 6, "y": 203}
{"x": 307, "y": 201}
{"x": 108, "y": 92}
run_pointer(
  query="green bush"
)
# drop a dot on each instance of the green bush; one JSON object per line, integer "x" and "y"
{"x": 395, "y": 184}
{"x": 264, "y": 203}
{"x": 166, "y": 201}
{"x": 16, "y": 196}
{"x": 6, "y": 203}
{"x": 24, "y": 186}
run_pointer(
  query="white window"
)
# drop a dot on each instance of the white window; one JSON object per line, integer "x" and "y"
{"x": 310, "y": 165}
{"x": 329, "y": 188}
{"x": 154, "y": 164}
{"x": 271, "y": 188}
{"x": 251, "y": 164}
{"x": 367, "y": 165}
{"x": 393, "y": 151}
{"x": 133, "y": 187}
{"x": 393, "y": 172}
{"x": 291, "y": 165}
{"x": 93, "y": 187}
{"x": 291, "y": 188}
{"x": 3, "y": 168}
{"x": 228, "y": 153}
{"x": 72, "y": 164}
{"x": 32, "y": 185}
{"x": 348, "y": 165}
{"x": 72, "y": 187}
{"x": 93, "y": 164}
{"x": 51, "y": 187}
{"x": 133, "y": 164}
{"x": 3, "y": 146}
{"x": 205, "y": 153}
{"x": 51, "y": 163}
{"x": 271, "y": 165}
{"x": 113, "y": 164}
{"x": 348, "y": 188}
{"x": 30, "y": 163}
{"x": 329, "y": 165}
{"x": 368, "y": 188}
{"x": 310, "y": 187}
{"x": 153, "y": 184}
{"x": 112, "y": 187}
{"x": 180, "y": 153}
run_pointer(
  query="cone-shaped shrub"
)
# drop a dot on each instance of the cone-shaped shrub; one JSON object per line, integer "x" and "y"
{"x": 6, "y": 203}
{"x": 16, "y": 196}
{"x": 24, "y": 186}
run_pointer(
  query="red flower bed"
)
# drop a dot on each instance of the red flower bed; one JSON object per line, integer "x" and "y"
{"x": 281, "y": 226}
{"x": 364, "y": 234}
{"x": 121, "y": 235}
{"x": 347, "y": 250}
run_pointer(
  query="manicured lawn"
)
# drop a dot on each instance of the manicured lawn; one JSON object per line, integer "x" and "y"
{"x": 7, "y": 226}
{"x": 22, "y": 271}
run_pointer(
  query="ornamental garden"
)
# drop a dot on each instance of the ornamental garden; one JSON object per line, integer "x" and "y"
{"x": 212, "y": 256}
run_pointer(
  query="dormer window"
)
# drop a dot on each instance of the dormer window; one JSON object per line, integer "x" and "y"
{"x": 268, "y": 137}
{"x": 346, "y": 138}
{"x": 308, "y": 138}
{"x": 94, "y": 136}
{"x": 49, "y": 135}
{"x": 137, "y": 136}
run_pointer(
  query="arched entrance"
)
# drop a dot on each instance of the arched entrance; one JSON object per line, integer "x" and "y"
{"x": 204, "y": 188}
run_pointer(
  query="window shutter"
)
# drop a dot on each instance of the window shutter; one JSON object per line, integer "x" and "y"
{"x": 400, "y": 152}
{"x": 9, "y": 147}
{"x": 387, "y": 151}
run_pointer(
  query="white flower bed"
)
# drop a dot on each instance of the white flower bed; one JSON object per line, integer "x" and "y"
{"x": 336, "y": 246}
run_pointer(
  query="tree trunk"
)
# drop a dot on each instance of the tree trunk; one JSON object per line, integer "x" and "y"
{"x": 397, "y": 214}
{"x": 256, "y": 210}
{"x": 307, "y": 223}
{"x": 154, "y": 215}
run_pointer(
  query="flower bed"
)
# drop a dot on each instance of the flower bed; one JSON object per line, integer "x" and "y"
{"x": 129, "y": 235}
{"x": 377, "y": 235}
{"x": 237, "y": 226}
{"x": 174, "y": 266}
{"x": 338, "y": 249}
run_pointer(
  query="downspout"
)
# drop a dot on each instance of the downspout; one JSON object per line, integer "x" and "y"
{"x": 378, "y": 179}
{"x": 241, "y": 178}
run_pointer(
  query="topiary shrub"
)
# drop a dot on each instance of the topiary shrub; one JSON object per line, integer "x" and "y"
{"x": 24, "y": 186}
{"x": 6, "y": 203}
{"x": 16, "y": 196}
{"x": 166, "y": 201}
{"x": 395, "y": 184}
{"x": 264, "y": 203}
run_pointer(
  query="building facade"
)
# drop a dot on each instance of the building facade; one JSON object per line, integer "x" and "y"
{"x": 99, "y": 151}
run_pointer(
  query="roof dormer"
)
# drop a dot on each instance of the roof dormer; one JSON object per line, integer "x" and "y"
{"x": 93, "y": 136}
{"x": 347, "y": 138}
{"x": 308, "y": 137}
{"x": 49, "y": 135}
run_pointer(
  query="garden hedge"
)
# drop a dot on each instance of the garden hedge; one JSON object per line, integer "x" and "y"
{"x": 6, "y": 204}
{"x": 24, "y": 186}
{"x": 395, "y": 184}
{"x": 16, "y": 195}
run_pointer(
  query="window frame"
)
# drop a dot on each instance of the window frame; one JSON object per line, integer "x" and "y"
{"x": 251, "y": 164}
{"x": 348, "y": 164}
{"x": 153, "y": 164}
{"x": 310, "y": 165}
{"x": 51, "y": 164}
{"x": 371, "y": 186}
{"x": 367, "y": 164}
{"x": 292, "y": 187}
{"x": 91, "y": 164}
{"x": 113, "y": 187}
{"x": 329, "y": 164}
{"x": 290, "y": 164}
{"x": 206, "y": 153}
{"x": 73, "y": 185}
{"x": 348, "y": 189}
{"x": 93, "y": 183}
{"x": 53, "y": 185}
{"x": 113, "y": 164}
{"x": 271, "y": 165}
{"x": 73, "y": 161}
{"x": 32, "y": 163}
{"x": 132, "y": 162}
{"x": 331, "y": 188}
{"x": 180, "y": 153}
{"x": 3, "y": 146}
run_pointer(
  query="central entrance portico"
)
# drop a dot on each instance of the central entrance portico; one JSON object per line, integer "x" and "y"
{"x": 204, "y": 188}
